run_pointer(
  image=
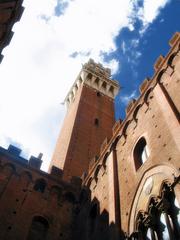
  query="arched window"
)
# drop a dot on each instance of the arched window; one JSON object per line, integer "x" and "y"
{"x": 40, "y": 185}
{"x": 39, "y": 229}
{"x": 141, "y": 152}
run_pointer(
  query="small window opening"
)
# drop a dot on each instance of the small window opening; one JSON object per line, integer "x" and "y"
{"x": 89, "y": 76}
{"x": 96, "y": 121}
{"x": 98, "y": 94}
{"x": 40, "y": 185}
{"x": 104, "y": 85}
{"x": 39, "y": 228}
{"x": 111, "y": 89}
{"x": 96, "y": 81}
{"x": 141, "y": 153}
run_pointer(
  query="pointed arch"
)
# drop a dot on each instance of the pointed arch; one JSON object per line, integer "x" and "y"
{"x": 96, "y": 172}
{"x": 159, "y": 76}
{"x": 136, "y": 112}
{"x": 140, "y": 153}
{"x": 147, "y": 95}
{"x": 124, "y": 129}
{"x": 170, "y": 59}
{"x": 105, "y": 159}
{"x": 89, "y": 182}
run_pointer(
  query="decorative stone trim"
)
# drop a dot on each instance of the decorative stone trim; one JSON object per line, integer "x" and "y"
{"x": 116, "y": 126}
{"x": 130, "y": 105}
{"x": 158, "y": 62}
{"x": 174, "y": 39}
{"x": 144, "y": 85}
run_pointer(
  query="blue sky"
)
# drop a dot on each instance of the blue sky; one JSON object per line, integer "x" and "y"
{"x": 149, "y": 46}
{"x": 52, "y": 41}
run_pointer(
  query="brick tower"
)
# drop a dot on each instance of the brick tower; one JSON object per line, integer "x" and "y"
{"x": 89, "y": 119}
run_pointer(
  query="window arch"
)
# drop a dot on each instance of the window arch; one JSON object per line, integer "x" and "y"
{"x": 141, "y": 153}
{"x": 40, "y": 185}
{"x": 38, "y": 229}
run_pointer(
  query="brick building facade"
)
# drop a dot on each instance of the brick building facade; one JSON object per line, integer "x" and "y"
{"x": 107, "y": 180}
{"x": 10, "y": 12}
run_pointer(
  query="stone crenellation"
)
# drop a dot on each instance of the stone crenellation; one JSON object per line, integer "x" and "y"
{"x": 34, "y": 164}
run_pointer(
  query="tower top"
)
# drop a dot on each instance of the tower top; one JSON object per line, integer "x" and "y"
{"x": 96, "y": 76}
{"x": 97, "y": 68}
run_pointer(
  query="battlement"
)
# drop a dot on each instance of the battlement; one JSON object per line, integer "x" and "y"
{"x": 96, "y": 76}
{"x": 97, "y": 68}
{"x": 34, "y": 164}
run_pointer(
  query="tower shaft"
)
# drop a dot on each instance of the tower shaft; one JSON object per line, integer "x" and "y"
{"x": 89, "y": 120}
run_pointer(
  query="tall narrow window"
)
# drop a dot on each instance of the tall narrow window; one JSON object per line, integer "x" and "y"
{"x": 96, "y": 121}
{"x": 141, "y": 153}
{"x": 39, "y": 229}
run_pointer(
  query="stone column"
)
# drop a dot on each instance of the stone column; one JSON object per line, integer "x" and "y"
{"x": 113, "y": 191}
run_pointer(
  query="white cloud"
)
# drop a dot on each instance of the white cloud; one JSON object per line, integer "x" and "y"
{"x": 124, "y": 47}
{"x": 135, "y": 42}
{"x": 38, "y": 68}
{"x": 149, "y": 12}
{"x": 126, "y": 98}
